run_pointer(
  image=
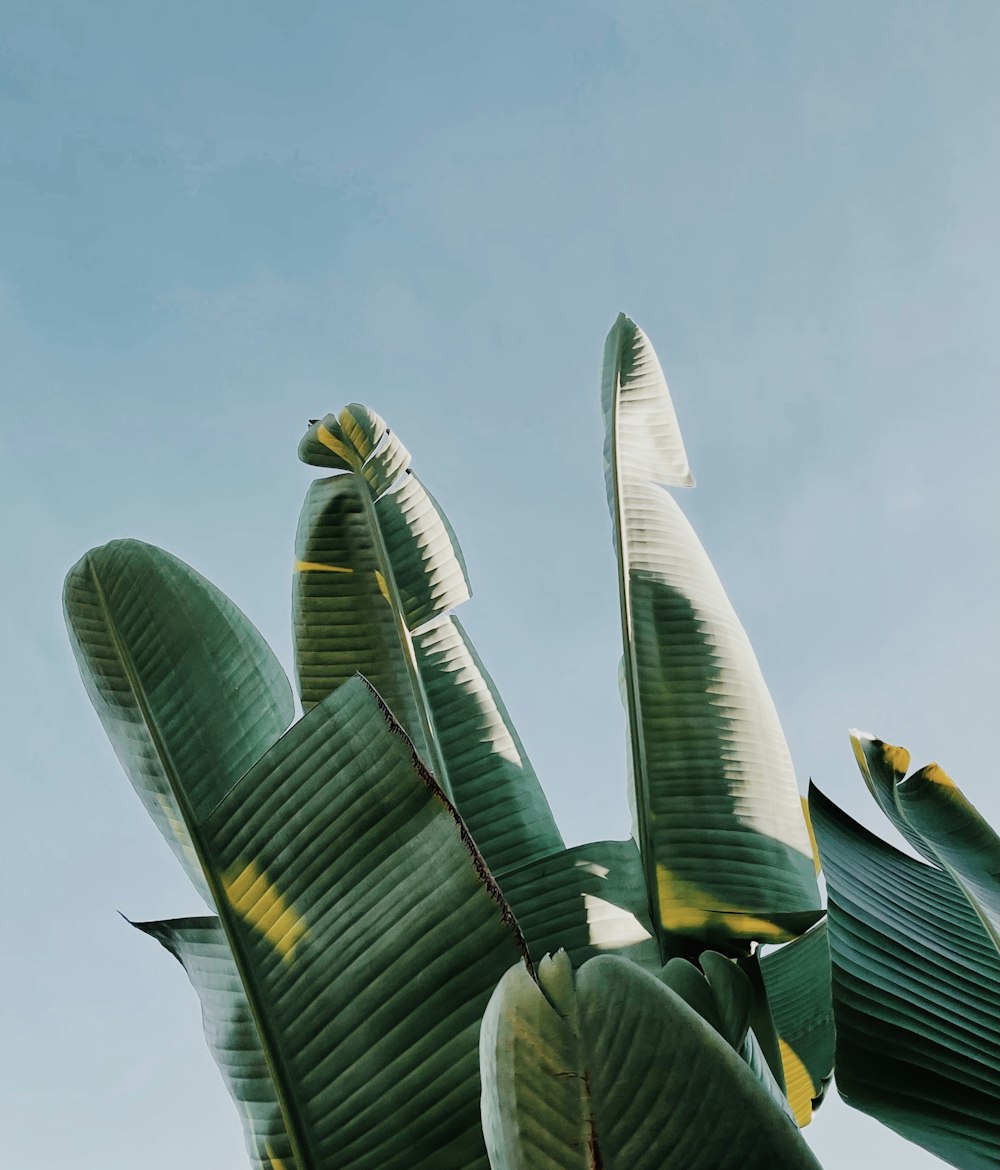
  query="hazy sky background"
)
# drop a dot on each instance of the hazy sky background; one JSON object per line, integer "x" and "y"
{"x": 221, "y": 220}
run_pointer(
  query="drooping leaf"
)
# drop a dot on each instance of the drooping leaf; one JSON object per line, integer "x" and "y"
{"x": 612, "y": 1069}
{"x": 188, "y": 691}
{"x": 201, "y": 947}
{"x": 378, "y": 568}
{"x": 797, "y": 978}
{"x": 934, "y": 816}
{"x": 368, "y": 934}
{"x": 587, "y": 900}
{"x": 916, "y": 983}
{"x": 725, "y": 849}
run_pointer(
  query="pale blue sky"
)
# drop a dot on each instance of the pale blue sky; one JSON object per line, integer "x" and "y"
{"x": 222, "y": 219}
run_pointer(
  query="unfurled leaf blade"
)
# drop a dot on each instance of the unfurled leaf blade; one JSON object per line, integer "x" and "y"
{"x": 916, "y": 983}
{"x": 201, "y": 947}
{"x": 368, "y": 934}
{"x": 725, "y": 848}
{"x": 188, "y": 691}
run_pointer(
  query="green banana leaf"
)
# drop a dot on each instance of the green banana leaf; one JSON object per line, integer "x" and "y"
{"x": 588, "y": 900}
{"x": 725, "y": 1000}
{"x": 368, "y": 935}
{"x": 201, "y": 947}
{"x": 378, "y": 568}
{"x": 797, "y": 979}
{"x": 612, "y": 1069}
{"x": 939, "y": 822}
{"x": 725, "y": 849}
{"x": 187, "y": 689}
{"x": 916, "y": 983}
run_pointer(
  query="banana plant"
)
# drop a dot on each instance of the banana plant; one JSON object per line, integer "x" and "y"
{"x": 405, "y": 966}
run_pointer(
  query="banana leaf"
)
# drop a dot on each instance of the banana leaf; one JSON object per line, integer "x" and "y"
{"x": 915, "y": 985}
{"x": 611, "y": 1069}
{"x": 934, "y": 816}
{"x": 378, "y": 570}
{"x": 201, "y": 947}
{"x": 725, "y": 849}
{"x": 586, "y": 901}
{"x": 188, "y": 691}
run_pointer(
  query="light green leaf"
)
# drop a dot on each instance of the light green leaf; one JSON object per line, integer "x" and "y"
{"x": 916, "y": 983}
{"x": 725, "y": 849}
{"x": 378, "y": 568}
{"x": 201, "y": 947}
{"x": 615, "y": 1070}
{"x": 188, "y": 691}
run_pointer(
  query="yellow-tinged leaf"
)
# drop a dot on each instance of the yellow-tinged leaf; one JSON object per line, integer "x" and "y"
{"x": 335, "y": 445}
{"x": 898, "y": 758}
{"x": 316, "y": 567}
{"x": 937, "y": 775}
{"x": 382, "y": 587}
{"x": 687, "y": 909}
{"x": 253, "y": 897}
{"x": 276, "y": 1163}
{"x": 799, "y": 1087}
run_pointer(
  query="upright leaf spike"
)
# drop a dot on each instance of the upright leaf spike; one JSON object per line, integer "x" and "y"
{"x": 725, "y": 848}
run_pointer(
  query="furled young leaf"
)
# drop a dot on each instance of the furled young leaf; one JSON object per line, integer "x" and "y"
{"x": 611, "y": 1069}
{"x": 378, "y": 568}
{"x": 916, "y": 983}
{"x": 187, "y": 689}
{"x": 201, "y": 947}
{"x": 726, "y": 1002}
{"x": 725, "y": 849}
{"x": 797, "y": 978}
